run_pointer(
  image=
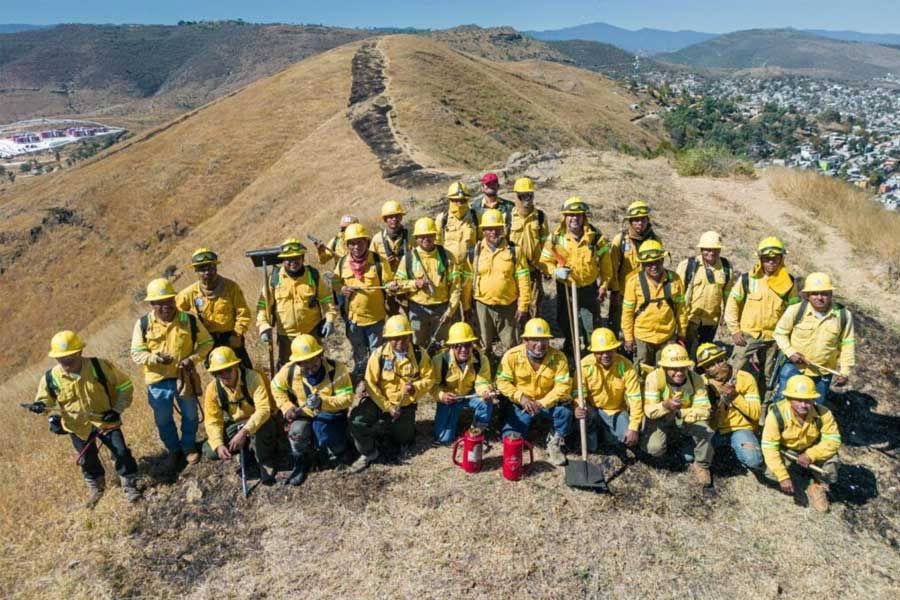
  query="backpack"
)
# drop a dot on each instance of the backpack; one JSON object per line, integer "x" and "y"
{"x": 842, "y": 312}
{"x": 53, "y": 390}
{"x": 745, "y": 283}
{"x": 645, "y": 290}
{"x": 417, "y": 352}
{"x": 779, "y": 418}
{"x": 475, "y": 252}
{"x": 376, "y": 260}
{"x": 330, "y": 365}
{"x": 312, "y": 278}
{"x": 192, "y": 320}
{"x": 442, "y": 262}
{"x": 624, "y": 236}
{"x": 404, "y": 244}
{"x": 691, "y": 272}
{"x": 445, "y": 364}
{"x": 223, "y": 396}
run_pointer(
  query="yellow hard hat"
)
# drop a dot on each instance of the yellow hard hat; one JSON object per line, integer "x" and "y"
{"x": 536, "y": 328}
{"x": 491, "y": 218}
{"x": 710, "y": 240}
{"x": 460, "y": 333}
{"x": 709, "y": 353}
{"x": 304, "y": 347}
{"x": 204, "y": 256}
{"x": 397, "y": 326}
{"x": 651, "y": 251}
{"x": 425, "y": 226}
{"x": 523, "y": 185}
{"x": 675, "y": 356}
{"x": 800, "y": 387}
{"x": 817, "y": 282}
{"x": 222, "y": 358}
{"x": 637, "y": 209}
{"x": 603, "y": 339}
{"x": 65, "y": 343}
{"x": 292, "y": 248}
{"x": 574, "y": 206}
{"x": 458, "y": 191}
{"x": 770, "y": 246}
{"x": 391, "y": 207}
{"x": 159, "y": 289}
{"x": 348, "y": 220}
{"x": 355, "y": 231}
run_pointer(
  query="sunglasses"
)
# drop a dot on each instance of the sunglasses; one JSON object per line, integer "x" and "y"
{"x": 205, "y": 257}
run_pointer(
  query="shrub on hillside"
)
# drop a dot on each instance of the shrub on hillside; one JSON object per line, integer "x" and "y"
{"x": 711, "y": 161}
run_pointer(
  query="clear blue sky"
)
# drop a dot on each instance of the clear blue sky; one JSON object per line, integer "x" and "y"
{"x": 717, "y": 16}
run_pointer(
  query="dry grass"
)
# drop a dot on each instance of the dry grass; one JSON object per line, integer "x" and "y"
{"x": 711, "y": 161}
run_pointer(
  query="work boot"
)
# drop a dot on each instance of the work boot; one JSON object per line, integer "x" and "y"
{"x": 300, "y": 470}
{"x": 172, "y": 462}
{"x": 363, "y": 462}
{"x": 130, "y": 489}
{"x": 193, "y": 457}
{"x": 817, "y": 494}
{"x": 96, "y": 487}
{"x": 266, "y": 474}
{"x": 555, "y": 454}
{"x": 701, "y": 474}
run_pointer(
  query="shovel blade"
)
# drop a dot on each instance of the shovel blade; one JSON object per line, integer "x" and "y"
{"x": 584, "y": 475}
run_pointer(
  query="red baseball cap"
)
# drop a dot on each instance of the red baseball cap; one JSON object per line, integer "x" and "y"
{"x": 490, "y": 178}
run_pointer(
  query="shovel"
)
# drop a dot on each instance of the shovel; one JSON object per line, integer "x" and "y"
{"x": 581, "y": 474}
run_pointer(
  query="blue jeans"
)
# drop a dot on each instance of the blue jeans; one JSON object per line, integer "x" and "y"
{"x": 788, "y": 370}
{"x": 363, "y": 340}
{"x": 745, "y": 446}
{"x": 612, "y": 427}
{"x": 162, "y": 396}
{"x": 446, "y": 417}
{"x": 328, "y": 431}
{"x": 519, "y": 421}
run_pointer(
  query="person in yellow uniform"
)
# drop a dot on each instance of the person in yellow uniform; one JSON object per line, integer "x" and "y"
{"x": 707, "y": 279}
{"x": 529, "y": 232}
{"x": 313, "y": 393}
{"x": 86, "y": 398}
{"x": 335, "y": 248}
{"x": 298, "y": 300}
{"x": 736, "y": 405}
{"x": 615, "y": 406}
{"x": 534, "y": 377}
{"x": 501, "y": 285}
{"x": 490, "y": 198}
{"x": 219, "y": 303}
{"x": 169, "y": 344}
{"x": 754, "y": 306}
{"x": 578, "y": 252}
{"x": 364, "y": 280}
{"x": 817, "y": 337}
{"x": 430, "y": 277}
{"x": 624, "y": 255}
{"x": 392, "y": 243}
{"x": 653, "y": 312}
{"x": 676, "y": 405}
{"x": 462, "y": 380}
{"x": 398, "y": 375}
{"x": 458, "y": 225}
{"x": 238, "y": 405}
{"x": 808, "y": 435}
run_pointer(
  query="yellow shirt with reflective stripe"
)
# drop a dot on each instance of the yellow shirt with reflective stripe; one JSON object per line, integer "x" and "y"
{"x": 460, "y": 382}
{"x": 658, "y": 323}
{"x": 756, "y": 311}
{"x": 299, "y": 304}
{"x": 456, "y": 234}
{"x": 386, "y": 384}
{"x": 589, "y": 261}
{"x": 695, "y": 405}
{"x": 820, "y": 340}
{"x": 446, "y": 278}
{"x": 529, "y": 236}
{"x": 728, "y": 419}
{"x": 172, "y": 338}
{"x": 497, "y": 281}
{"x": 614, "y": 389}
{"x": 381, "y": 242}
{"x": 335, "y": 389}
{"x": 227, "y": 311}
{"x": 364, "y": 307}
{"x": 334, "y": 249}
{"x": 623, "y": 257}
{"x": 799, "y": 436}
{"x": 254, "y": 414}
{"x": 549, "y": 385}
{"x": 705, "y": 300}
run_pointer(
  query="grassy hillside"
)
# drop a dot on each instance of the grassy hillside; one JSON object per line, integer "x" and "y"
{"x": 497, "y": 43}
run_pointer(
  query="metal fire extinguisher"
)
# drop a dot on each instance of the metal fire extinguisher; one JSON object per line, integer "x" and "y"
{"x": 513, "y": 450}
{"x": 473, "y": 450}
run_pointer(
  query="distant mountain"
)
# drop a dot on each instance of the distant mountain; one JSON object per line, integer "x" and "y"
{"x": 17, "y": 27}
{"x": 856, "y": 36}
{"x": 643, "y": 40}
{"x": 790, "y": 51}
{"x": 606, "y": 59}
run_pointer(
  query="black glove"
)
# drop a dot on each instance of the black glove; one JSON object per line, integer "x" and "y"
{"x": 37, "y": 407}
{"x": 110, "y": 416}
{"x": 56, "y": 425}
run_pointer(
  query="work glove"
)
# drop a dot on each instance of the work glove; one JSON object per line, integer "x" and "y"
{"x": 110, "y": 416}
{"x": 56, "y": 425}
{"x": 38, "y": 407}
{"x": 266, "y": 336}
{"x": 562, "y": 273}
{"x": 313, "y": 401}
{"x": 327, "y": 329}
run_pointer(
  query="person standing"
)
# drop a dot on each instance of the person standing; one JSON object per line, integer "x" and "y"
{"x": 708, "y": 279}
{"x": 528, "y": 231}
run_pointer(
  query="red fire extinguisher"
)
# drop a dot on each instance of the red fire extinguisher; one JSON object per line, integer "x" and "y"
{"x": 473, "y": 450}
{"x": 513, "y": 450}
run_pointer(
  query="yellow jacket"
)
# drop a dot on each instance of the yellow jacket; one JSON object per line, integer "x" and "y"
{"x": 623, "y": 256}
{"x": 334, "y": 249}
{"x": 657, "y": 323}
{"x": 705, "y": 300}
{"x": 614, "y": 389}
{"x": 756, "y": 311}
{"x": 819, "y": 444}
{"x": 496, "y": 280}
{"x": 820, "y": 340}
{"x": 222, "y": 309}
{"x": 387, "y": 376}
{"x": 506, "y": 208}
{"x": 364, "y": 307}
{"x": 746, "y": 401}
{"x": 549, "y": 385}
{"x": 460, "y": 382}
{"x": 335, "y": 388}
{"x": 588, "y": 257}
{"x": 255, "y": 413}
{"x": 174, "y": 339}
{"x": 443, "y": 273}
{"x": 529, "y": 233}
{"x": 457, "y": 231}
{"x": 300, "y": 304}
{"x": 391, "y": 250}
{"x": 83, "y": 393}
{"x": 695, "y": 406}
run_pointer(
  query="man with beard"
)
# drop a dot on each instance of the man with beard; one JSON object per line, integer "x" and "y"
{"x": 490, "y": 186}
{"x": 528, "y": 231}
{"x": 624, "y": 255}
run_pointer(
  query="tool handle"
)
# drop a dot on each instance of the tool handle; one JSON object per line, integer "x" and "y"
{"x": 792, "y": 456}
{"x": 576, "y": 348}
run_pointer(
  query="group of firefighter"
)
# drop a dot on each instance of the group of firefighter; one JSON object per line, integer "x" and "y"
{"x": 424, "y": 311}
